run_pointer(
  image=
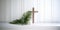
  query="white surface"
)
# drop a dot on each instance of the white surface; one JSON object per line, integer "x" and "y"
{"x": 7, "y": 26}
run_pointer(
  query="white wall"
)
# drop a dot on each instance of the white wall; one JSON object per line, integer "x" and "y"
{"x": 13, "y": 9}
{"x": 48, "y": 11}
{"x": 56, "y": 11}
{"x": 44, "y": 11}
{"x": 4, "y": 8}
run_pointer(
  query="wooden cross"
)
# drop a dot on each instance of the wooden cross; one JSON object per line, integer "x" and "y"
{"x": 33, "y": 14}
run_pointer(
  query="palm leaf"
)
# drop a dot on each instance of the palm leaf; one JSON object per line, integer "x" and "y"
{"x": 24, "y": 19}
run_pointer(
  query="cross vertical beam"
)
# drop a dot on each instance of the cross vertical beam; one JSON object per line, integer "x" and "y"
{"x": 33, "y": 14}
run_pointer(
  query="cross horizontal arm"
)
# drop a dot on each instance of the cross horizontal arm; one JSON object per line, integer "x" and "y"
{"x": 34, "y": 11}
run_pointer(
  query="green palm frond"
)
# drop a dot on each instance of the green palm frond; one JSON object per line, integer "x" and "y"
{"x": 24, "y": 19}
